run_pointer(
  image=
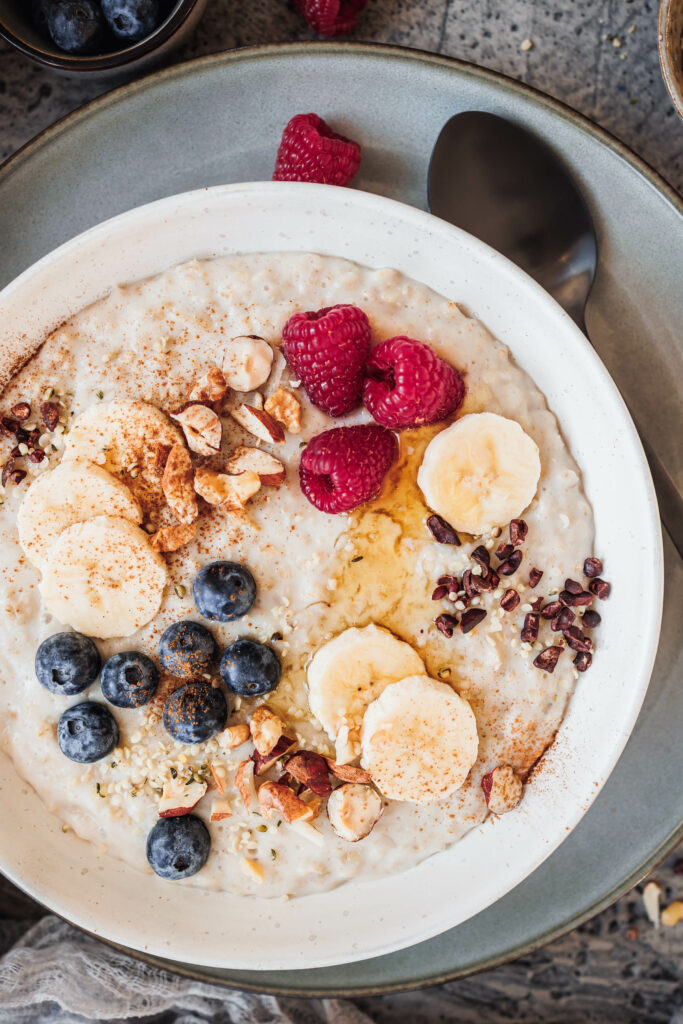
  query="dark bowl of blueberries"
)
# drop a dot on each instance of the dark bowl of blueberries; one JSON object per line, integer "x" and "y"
{"x": 99, "y": 38}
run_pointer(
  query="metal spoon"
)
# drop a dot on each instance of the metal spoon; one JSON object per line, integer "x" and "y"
{"x": 501, "y": 183}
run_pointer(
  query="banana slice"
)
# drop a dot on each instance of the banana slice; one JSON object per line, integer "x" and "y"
{"x": 480, "y": 472}
{"x": 349, "y": 672}
{"x": 103, "y": 578}
{"x": 419, "y": 740}
{"x": 130, "y": 440}
{"x": 73, "y": 492}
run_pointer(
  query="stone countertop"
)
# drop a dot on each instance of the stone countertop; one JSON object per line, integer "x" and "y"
{"x": 600, "y": 57}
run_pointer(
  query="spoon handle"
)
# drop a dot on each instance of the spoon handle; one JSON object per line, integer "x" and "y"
{"x": 668, "y": 496}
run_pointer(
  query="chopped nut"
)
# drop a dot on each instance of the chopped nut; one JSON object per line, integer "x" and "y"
{"x": 502, "y": 789}
{"x": 22, "y": 411}
{"x": 247, "y": 361}
{"x": 233, "y": 736}
{"x": 259, "y": 423}
{"x": 273, "y": 797}
{"x": 347, "y": 772}
{"x": 244, "y": 781}
{"x": 651, "y": 895}
{"x": 171, "y": 538}
{"x": 179, "y": 797}
{"x": 177, "y": 484}
{"x": 270, "y": 470}
{"x": 311, "y": 770}
{"x": 262, "y": 762}
{"x": 221, "y": 489}
{"x": 353, "y": 811}
{"x": 220, "y": 808}
{"x": 266, "y": 729}
{"x": 220, "y": 775}
{"x": 253, "y": 869}
{"x": 210, "y": 390}
{"x": 672, "y": 914}
{"x": 286, "y": 409}
{"x": 202, "y": 428}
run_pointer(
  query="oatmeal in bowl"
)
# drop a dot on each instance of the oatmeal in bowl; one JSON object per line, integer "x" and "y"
{"x": 303, "y": 576}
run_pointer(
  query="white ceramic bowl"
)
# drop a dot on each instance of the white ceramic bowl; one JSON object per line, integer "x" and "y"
{"x": 136, "y": 909}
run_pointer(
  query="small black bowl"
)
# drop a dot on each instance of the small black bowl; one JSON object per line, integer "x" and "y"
{"x": 18, "y": 29}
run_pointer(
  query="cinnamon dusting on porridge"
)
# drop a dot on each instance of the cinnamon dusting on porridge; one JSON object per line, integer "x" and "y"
{"x": 305, "y": 567}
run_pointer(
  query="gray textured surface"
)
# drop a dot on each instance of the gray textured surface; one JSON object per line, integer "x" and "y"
{"x": 573, "y": 58}
{"x": 617, "y": 966}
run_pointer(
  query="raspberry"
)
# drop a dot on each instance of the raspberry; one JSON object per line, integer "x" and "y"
{"x": 406, "y": 384}
{"x": 331, "y": 17}
{"x": 311, "y": 151}
{"x": 344, "y": 467}
{"x": 328, "y": 351}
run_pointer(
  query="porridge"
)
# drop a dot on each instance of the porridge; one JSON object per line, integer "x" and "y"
{"x": 307, "y": 596}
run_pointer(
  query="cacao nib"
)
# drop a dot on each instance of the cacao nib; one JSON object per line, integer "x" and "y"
{"x": 509, "y": 600}
{"x": 17, "y": 475}
{"x": 33, "y": 438}
{"x": 21, "y": 435}
{"x": 583, "y": 599}
{"x": 7, "y": 470}
{"x": 572, "y": 586}
{"x": 439, "y": 593}
{"x": 50, "y": 413}
{"x": 471, "y": 618}
{"x": 535, "y": 577}
{"x": 9, "y": 426}
{"x": 518, "y": 531}
{"x": 453, "y": 583}
{"x": 537, "y": 604}
{"x": 481, "y": 556}
{"x": 600, "y": 588}
{"x": 566, "y": 598}
{"x": 582, "y": 661}
{"x": 22, "y": 411}
{"x": 530, "y": 628}
{"x": 562, "y": 620}
{"x": 488, "y": 580}
{"x": 446, "y": 624}
{"x": 16, "y": 453}
{"x": 442, "y": 531}
{"x": 503, "y": 551}
{"x": 36, "y": 456}
{"x": 592, "y": 567}
{"x": 576, "y": 640}
{"x": 547, "y": 659}
{"x": 468, "y": 583}
{"x": 512, "y": 564}
{"x": 551, "y": 609}
{"x": 591, "y": 619}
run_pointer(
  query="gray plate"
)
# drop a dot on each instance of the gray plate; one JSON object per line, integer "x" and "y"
{"x": 219, "y": 119}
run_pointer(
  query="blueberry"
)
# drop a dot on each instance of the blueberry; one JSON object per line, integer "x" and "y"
{"x": 250, "y": 669}
{"x": 195, "y": 712}
{"x": 87, "y": 732}
{"x": 76, "y": 26}
{"x": 132, "y": 20}
{"x": 67, "y": 663}
{"x": 178, "y": 847}
{"x": 129, "y": 679}
{"x": 186, "y": 649}
{"x": 224, "y": 591}
{"x": 39, "y": 9}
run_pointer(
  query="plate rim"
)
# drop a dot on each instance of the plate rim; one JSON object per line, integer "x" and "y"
{"x": 380, "y": 51}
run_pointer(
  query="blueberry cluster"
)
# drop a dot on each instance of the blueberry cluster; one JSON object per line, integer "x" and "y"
{"x": 96, "y": 26}
{"x": 69, "y": 663}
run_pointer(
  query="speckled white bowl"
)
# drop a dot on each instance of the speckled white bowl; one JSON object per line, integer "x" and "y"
{"x": 356, "y": 921}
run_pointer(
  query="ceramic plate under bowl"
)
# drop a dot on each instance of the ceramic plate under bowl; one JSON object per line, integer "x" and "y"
{"x": 357, "y": 921}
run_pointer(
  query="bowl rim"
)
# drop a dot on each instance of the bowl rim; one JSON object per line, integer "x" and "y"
{"x": 106, "y": 61}
{"x": 673, "y": 85}
{"x": 404, "y": 212}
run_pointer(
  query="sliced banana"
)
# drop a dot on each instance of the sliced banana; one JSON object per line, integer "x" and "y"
{"x": 480, "y": 472}
{"x": 130, "y": 440}
{"x": 349, "y": 672}
{"x": 419, "y": 740}
{"x": 103, "y": 578}
{"x": 73, "y": 492}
